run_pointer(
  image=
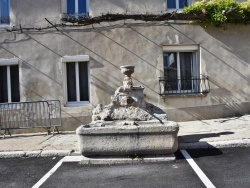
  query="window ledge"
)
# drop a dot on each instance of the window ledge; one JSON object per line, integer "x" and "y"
{"x": 4, "y": 25}
{"x": 171, "y": 10}
{"x": 183, "y": 95}
{"x": 10, "y": 106}
{"x": 76, "y": 104}
{"x": 72, "y": 18}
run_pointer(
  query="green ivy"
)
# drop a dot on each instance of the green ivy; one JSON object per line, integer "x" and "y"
{"x": 219, "y": 12}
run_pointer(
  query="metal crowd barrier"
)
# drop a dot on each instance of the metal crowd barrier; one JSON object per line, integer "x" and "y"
{"x": 36, "y": 114}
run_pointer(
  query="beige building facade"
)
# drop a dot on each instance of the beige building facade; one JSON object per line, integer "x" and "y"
{"x": 189, "y": 71}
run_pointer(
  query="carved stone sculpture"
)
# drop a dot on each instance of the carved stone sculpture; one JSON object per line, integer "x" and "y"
{"x": 128, "y": 103}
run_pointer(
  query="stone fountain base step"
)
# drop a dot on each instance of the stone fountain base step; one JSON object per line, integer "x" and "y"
{"x": 146, "y": 138}
{"x": 126, "y": 160}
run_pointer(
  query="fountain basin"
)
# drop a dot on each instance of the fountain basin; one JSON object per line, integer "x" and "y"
{"x": 143, "y": 138}
{"x": 127, "y": 70}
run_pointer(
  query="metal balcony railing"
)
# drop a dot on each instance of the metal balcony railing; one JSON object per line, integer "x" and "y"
{"x": 184, "y": 86}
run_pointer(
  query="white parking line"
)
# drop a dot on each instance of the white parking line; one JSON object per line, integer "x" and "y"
{"x": 65, "y": 159}
{"x": 197, "y": 169}
{"x": 189, "y": 159}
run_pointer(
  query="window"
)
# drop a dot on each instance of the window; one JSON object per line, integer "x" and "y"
{"x": 76, "y": 80}
{"x": 78, "y": 8}
{"x": 177, "y": 4}
{"x": 9, "y": 81}
{"x": 182, "y": 70}
{"x": 5, "y": 12}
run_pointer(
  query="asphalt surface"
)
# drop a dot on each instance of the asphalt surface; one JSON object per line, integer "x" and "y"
{"x": 229, "y": 169}
{"x": 24, "y": 172}
{"x": 127, "y": 176}
{"x": 223, "y": 167}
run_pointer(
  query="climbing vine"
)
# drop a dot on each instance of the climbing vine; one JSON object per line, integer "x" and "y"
{"x": 219, "y": 12}
{"x": 208, "y": 12}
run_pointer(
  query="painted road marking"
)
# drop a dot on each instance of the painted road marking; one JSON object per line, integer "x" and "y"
{"x": 189, "y": 159}
{"x": 53, "y": 170}
{"x": 197, "y": 169}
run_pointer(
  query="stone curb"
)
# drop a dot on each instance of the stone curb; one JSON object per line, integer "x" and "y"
{"x": 219, "y": 144}
{"x": 126, "y": 160}
{"x": 55, "y": 153}
{"x": 63, "y": 153}
{"x": 12, "y": 154}
{"x": 38, "y": 153}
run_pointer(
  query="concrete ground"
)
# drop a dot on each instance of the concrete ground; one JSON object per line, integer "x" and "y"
{"x": 226, "y": 132}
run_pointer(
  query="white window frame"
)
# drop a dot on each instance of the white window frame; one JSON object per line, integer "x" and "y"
{"x": 76, "y": 60}
{"x": 177, "y": 6}
{"x": 193, "y": 48}
{"x": 4, "y": 24}
{"x": 76, "y": 6}
{"x": 8, "y": 63}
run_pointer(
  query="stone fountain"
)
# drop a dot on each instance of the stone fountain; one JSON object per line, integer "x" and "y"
{"x": 128, "y": 125}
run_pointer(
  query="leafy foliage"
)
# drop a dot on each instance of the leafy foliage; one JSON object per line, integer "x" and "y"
{"x": 219, "y": 12}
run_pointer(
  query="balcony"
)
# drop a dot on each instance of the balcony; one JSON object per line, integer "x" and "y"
{"x": 184, "y": 86}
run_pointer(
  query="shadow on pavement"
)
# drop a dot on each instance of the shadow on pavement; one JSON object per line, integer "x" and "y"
{"x": 25, "y": 136}
{"x": 203, "y": 147}
{"x": 198, "y": 137}
{"x": 198, "y": 153}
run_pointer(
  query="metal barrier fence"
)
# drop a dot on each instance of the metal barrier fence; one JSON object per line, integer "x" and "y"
{"x": 36, "y": 114}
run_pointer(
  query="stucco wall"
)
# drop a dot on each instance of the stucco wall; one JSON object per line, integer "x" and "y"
{"x": 30, "y": 13}
{"x": 130, "y": 6}
{"x": 224, "y": 58}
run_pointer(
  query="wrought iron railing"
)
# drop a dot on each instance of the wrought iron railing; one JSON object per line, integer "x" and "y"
{"x": 184, "y": 86}
{"x": 36, "y": 114}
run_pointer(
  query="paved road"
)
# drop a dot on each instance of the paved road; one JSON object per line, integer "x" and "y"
{"x": 230, "y": 169}
{"x": 224, "y": 168}
{"x": 24, "y": 172}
